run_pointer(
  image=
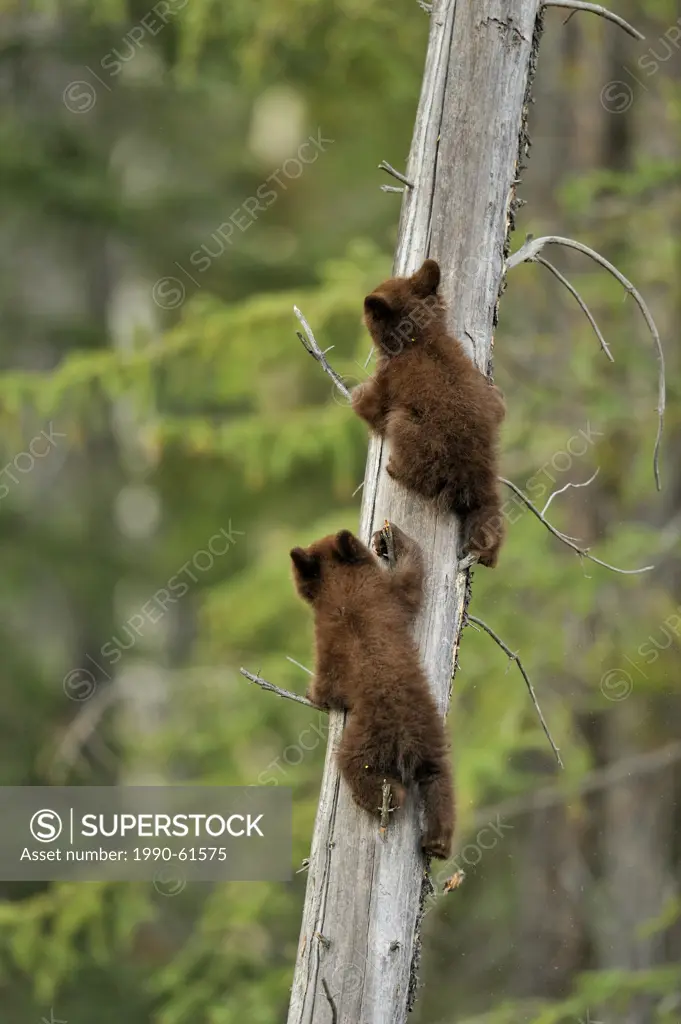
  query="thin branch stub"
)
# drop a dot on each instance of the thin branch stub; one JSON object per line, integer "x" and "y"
{"x": 304, "y": 667}
{"x": 385, "y": 166}
{"x": 385, "y": 810}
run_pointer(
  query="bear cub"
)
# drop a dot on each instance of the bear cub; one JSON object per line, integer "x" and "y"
{"x": 367, "y": 664}
{"x": 440, "y": 415}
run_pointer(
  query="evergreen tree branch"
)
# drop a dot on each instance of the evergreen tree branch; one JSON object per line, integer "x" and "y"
{"x": 304, "y": 667}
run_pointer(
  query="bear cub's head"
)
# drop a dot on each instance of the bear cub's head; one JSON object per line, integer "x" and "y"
{"x": 323, "y": 568}
{"x": 399, "y": 311}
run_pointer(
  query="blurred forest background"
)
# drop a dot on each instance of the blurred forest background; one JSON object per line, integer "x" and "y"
{"x": 153, "y": 394}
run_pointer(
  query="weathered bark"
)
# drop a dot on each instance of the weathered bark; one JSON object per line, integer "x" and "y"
{"x": 360, "y": 930}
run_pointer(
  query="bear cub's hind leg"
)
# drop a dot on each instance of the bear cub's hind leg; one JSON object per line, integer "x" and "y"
{"x": 437, "y": 794}
{"x": 364, "y": 775}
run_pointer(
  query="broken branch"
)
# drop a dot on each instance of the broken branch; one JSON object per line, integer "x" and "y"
{"x": 555, "y": 494}
{"x": 385, "y": 809}
{"x": 514, "y": 657}
{"x": 582, "y": 552}
{"x": 603, "y": 12}
{"x": 310, "y": 345}
{"x": 264, "y": 685}
{"x": 580, "y": 300}
{"x": 529, "y": 252}
{"x": 385, "y": 166}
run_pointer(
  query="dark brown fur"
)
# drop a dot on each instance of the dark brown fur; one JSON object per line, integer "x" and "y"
{"x": 440, "y": 415}
{"x": 367, "y": 663}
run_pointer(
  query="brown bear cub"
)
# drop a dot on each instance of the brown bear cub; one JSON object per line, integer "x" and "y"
{"x": 440, "y": 415}
{"x": 367, "y": 664}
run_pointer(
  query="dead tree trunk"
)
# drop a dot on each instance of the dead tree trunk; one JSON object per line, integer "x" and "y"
{"x": 359, "y": 942}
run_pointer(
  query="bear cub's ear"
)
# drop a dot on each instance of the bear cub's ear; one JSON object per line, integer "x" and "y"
{"x": 377, "y": 307}
{"x": 349, "y": 548}
{"x": 426, "y": 280}
{"x": 307, "y": 566}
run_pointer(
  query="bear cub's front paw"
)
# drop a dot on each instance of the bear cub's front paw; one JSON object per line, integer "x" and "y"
{"x": 391, "y": 535}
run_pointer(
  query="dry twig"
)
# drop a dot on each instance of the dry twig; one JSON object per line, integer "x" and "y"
{"x": 603, "y": 12}
{"x": 529, "y": 252}
{"x": 561, "y": 490}
{"x": 264, "y": 685}
{"x": 582, "y": 552}
{"x": 385, "y": 166}
{"x": 514, "y": 657}
{"x": 580, "y": 300}
{"x": 310, "y": 345}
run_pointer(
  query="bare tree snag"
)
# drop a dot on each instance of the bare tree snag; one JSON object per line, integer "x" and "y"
{"x": 364, "y": 894}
